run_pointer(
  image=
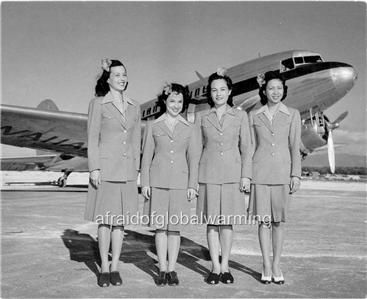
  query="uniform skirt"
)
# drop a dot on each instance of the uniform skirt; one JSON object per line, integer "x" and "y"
{"x": 112, "y": 203}
{"x": 269, "y": 202}
{"x": 168, "y": 209}
{"x": 222, "y": 204}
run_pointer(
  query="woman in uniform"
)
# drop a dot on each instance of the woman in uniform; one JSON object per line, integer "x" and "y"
{"x": 224, "y": 171}
{"x": 114, "y": 137}
{"x": 169, "y": 176}
{"x": 276, "y": 135}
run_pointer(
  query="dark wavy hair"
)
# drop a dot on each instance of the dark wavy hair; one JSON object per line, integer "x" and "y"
{"x": 179, "y": 89}
{"x": 270, "y": 76}
{"x": 102, "y": 87}
{"x": 214, "y": 77}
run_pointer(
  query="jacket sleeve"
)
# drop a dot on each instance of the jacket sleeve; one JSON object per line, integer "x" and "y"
{"x": 245, "y": 147}
{"x": 193, "y": 157}
{"x": 137, "y": 140}
{"x": 94, "y": 129}
{"x": 148, "y": 152}
{"x": 294, "y": 144}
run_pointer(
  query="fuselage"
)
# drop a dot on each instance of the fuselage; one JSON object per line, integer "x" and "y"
{"x": 312, "y": 83}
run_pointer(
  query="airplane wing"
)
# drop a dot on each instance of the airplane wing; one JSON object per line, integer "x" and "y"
{"x": 56, "y": 131}
{"x": 54, "y": 162}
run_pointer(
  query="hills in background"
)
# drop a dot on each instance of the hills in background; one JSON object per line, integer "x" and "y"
{"x": 341, "y": 160}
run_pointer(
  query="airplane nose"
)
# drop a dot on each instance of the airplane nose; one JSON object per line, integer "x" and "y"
{"x": 344, "y": 78}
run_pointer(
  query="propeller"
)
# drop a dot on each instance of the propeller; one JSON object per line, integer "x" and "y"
{"x": 330, "y": 142}
{"x": 331, "y": 152}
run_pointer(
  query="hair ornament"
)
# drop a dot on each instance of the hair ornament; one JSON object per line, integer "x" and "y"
{"x": 221, "y": 71}
{"x": 167, "y": 89}
{"x": 260, "y": 79}
{"x": 106, "y": 63}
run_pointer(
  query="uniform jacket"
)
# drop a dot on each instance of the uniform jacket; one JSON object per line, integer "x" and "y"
{"x": 170, "y": 160}
{"x": 276, "y": 145}
{"x": 113, "y": 140}
{"x": 226, "y": 149}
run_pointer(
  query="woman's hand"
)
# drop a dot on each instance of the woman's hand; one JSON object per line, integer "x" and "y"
{"x": 95, "y": 177}
{"x": 245, "y": 185}
{"x": 191, "y": 194}
{"x": 146, "y": 192}
{"x": 295, "y": 184}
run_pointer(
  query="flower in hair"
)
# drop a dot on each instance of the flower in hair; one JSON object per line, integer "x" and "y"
{"x": 167, "y": 89}
{"x": 106, "y": 63}
{"x": 221, "y": 71}
{"x": 260, "y": 79}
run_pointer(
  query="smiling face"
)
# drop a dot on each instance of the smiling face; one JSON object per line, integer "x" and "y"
{"x": 274, "y": 91}
{"x": 219, "y": 92}
{"x": 174, "y": 103}
{"x": 118, "y": 78}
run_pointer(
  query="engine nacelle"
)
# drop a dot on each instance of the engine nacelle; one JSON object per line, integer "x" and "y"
{"x": 314, "y": 133}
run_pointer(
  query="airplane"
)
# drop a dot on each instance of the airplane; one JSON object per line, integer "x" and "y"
{"x": 313, "y": 86}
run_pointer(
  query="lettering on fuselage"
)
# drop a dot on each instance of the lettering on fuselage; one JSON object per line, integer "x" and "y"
{"x": 36, "y": 136}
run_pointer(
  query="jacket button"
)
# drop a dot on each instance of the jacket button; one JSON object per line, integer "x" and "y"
{"x": 273, "y": 154}
{"x": 272, "y": 134}
{"x": 171, "y": 152}
{"x": 124, "y": 142}
{"x": 273, "y": 144}
{"x": 171, "y": 140}
{"x": 221, "y": 153}
{"x": 171, "y": 161}
{"x": 125, "y": 131}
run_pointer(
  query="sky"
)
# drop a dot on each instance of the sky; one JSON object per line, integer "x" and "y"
{"x": 52, "y": 50}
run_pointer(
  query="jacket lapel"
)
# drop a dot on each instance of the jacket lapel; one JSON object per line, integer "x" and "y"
{"x": 163, "y": 126}
{"x": 213, "y": 119}
{"x": 229, "y": 117}
{"x": 265, "y": 120}
{"x": 116, "y": 113}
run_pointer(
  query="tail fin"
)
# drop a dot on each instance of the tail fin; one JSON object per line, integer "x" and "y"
{"x": 47, "y": 105}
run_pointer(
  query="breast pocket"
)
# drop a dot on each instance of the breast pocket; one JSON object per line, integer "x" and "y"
{"x": 106, "y": 115}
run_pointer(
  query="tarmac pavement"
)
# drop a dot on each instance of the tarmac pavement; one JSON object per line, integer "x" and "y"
{"x": 49, "y": 251}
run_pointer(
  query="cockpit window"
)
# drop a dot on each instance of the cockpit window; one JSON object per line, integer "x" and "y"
{"x": 312, "y": 59}
{"x": 298, "y": 60}
{"x": 286, "y": 65}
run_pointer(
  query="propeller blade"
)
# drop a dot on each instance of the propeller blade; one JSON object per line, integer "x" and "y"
{"x": 331, "y": 152}
{"x": 340, "y": 117}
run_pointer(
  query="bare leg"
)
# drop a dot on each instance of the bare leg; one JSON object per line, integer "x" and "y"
{"x": 161, "y": 246}
{"x": 278, "y": 239}
{"x": 226, "y": 237}
{"x": 104, "y": 239}
{"x": 264, "y": 238}
{"x": 117, "y": 237}
{"x": 174, "y": 240}
{"x": 213, "y": 244}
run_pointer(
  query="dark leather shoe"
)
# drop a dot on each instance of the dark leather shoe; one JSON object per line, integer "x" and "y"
{"x": 104, "y": 279}
{"x": 227, "y": 277}
{"x": 161, "y": 279}
{"x": 172, "y": 278}
{"x": 115, "y": 278}
{"x": 213, "y": 278}
{"x": 279, "y": 280}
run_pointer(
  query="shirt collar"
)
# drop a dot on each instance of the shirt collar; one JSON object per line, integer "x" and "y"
{"x": 229, "y": 110}
{"x": 164, "y": 116}
{"x": 283, "y": 108}
{"x": 108, "y": 98}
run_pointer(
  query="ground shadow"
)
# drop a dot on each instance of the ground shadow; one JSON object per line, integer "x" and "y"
{"x": 138, "y": 249}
